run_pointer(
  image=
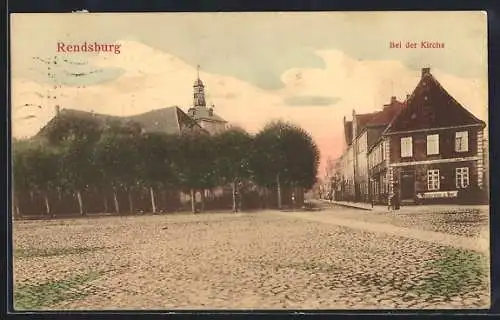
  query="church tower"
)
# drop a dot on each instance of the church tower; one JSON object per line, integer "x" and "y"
{"x": 202, "y": 114}
{"x": 199, "y": 92}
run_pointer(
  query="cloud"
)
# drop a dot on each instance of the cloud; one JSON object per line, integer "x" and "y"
{"x": 259, "y": 47}
{"x": 70, "y": 71}
{"x": 152, "y": 79}
{"x": 311, "y": 101}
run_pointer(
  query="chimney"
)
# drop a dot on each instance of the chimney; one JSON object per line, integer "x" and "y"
{"x": 408, "y": 97}
{"x": 425, "y": 71}
{"x": 393, "y": 100}
{"x": 58, "y": 110}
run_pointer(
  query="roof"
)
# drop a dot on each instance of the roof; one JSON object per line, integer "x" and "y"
{"x": 170, "y": 120}
{"x": 362, "y": 121}
{"x": 384, "y": 117}
{"x": 348, "y": 132}
{"x": 431, "y": 106}
{"x": 204, "y": 113}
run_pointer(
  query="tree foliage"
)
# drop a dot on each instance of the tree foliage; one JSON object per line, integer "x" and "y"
{"x": 77, "y": 155}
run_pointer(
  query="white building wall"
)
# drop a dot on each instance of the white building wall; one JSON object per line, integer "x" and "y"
{"x": 361, "y": 170}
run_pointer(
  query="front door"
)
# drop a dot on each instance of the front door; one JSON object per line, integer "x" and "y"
{"x": 407, "y": 185}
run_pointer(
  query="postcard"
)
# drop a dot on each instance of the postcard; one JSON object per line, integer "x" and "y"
{"x": 230, "y": 161}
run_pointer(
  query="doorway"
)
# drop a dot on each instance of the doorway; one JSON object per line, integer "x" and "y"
{"x": 407, "y": 180}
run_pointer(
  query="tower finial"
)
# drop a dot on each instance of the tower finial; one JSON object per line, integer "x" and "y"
{"x": 198, "y": 71}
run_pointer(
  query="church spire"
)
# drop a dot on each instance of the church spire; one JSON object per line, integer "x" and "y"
{"x": 198, "y": 91}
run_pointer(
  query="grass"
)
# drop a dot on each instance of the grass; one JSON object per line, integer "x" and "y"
{"x": 50, "y": 252}
{"x": 456, "y": 271}
{"x": 35, "y": 296}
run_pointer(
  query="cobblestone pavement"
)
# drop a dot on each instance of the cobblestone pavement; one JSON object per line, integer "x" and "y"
{"x": 468, "y": 221}
{"x": 238, "y": 261}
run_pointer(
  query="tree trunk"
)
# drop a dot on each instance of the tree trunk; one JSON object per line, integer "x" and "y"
{"x": 278, "y": 187}
{"x": 265, "y": 198}
{"x": 80, "y": 202}
{"x": 164, "y": 200}
{"x": 130, "y": 202}
{"x": 193, "y": 201}
{"x": 17, "y": 211}
{"x": 202, "y": 198}
{"x": 47, "y": 204}
{"x": 300, "y": 196}
{"x": 234, "y": 196}
{"x": 153, "y": 202}
{"x": 117, "y": 204}
{"x": 240, "y": 198}
{"x": 106, "y": 209}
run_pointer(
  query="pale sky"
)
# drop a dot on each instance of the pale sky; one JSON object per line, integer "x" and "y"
{"x": 308, "y": 68}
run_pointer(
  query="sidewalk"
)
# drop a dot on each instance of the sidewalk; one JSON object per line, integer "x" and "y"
{"x": 480, "y": 244}
{"x": 404, "y": 209}
{"x": 357, "y": 205}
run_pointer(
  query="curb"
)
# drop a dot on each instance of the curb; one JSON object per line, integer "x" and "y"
{"x": 351, "y": 206}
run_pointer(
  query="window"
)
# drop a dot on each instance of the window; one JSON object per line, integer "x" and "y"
{"x": 433, "y": 179}
{"x": 462, "y": 141}
{"x": 462, "y": 177}
{"x": 433, "y": 144}
{"x": 406, "y": 147}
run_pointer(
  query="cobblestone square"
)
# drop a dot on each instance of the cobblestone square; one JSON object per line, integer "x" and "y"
{"x": 264, "y": 260}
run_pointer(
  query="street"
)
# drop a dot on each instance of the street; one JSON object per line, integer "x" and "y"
{"x": 336, "y": 258}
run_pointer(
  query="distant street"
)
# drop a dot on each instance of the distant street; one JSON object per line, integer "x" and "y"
{"x": 329, "y": 259}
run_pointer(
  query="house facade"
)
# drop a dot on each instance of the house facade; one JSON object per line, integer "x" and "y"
{"x": 361, "y": 134}
{"x": 435, "y": 147}
{"x": 426, "y": 149}
{"x": 378, "y": 150}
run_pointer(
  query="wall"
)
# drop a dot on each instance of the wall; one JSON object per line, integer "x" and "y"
{"x": 446, "y": 145}
{"x": 376, "y": 156}
{"x": 361, "y": 170}
{"x": 374, "y": 135}
{"x": 346, "y": 170}
{"x": 211, "y": 126}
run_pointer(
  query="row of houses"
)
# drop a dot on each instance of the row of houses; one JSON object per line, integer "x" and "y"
{"x": 426, "y": 148}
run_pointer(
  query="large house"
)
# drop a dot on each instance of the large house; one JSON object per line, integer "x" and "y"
{"x": 426, "y": 149}
{"x": 170, "y": 120}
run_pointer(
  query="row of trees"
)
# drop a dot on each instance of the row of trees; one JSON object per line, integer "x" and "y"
{"x": 73, "y": 156}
